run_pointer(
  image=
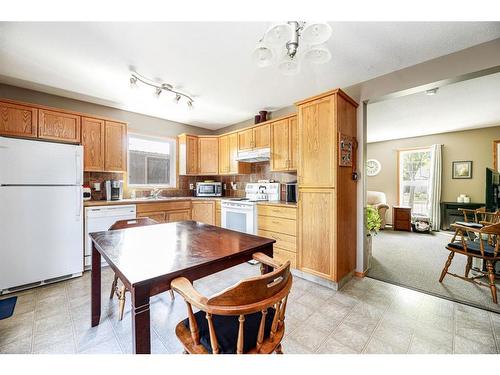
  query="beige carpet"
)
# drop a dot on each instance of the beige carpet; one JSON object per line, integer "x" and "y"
{"x": 415, "y": 260}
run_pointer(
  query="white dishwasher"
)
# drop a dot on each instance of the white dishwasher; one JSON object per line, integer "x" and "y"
{"x": 100, "y": 218}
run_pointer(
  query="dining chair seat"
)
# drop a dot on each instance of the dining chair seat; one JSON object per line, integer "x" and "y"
{"x": 473, "y": 248}
{"x": 227, "y": 327}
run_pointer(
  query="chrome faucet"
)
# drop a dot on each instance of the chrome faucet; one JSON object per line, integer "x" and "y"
{"x": 155, "y": 193}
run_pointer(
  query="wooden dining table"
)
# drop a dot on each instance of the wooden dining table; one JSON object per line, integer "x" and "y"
{"x": 146, "y": 259}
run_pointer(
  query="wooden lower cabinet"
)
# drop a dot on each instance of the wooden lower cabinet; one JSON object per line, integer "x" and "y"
{"x": 156, "y": 216}
{"x": 203, "y": 211}
{"x": 280, "y": 224}
{"x": 218, "y": 213}
{"x": 316, "y": 232}
{"x": 178, "y": 215}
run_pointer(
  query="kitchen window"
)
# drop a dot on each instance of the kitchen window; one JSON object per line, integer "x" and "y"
{"x": 414, "y": 179}
{"x": 151, "y": 161}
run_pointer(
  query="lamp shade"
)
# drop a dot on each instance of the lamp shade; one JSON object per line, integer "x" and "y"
{"x": 289, "y": 66}
{"x": 262, "y": 55}
{"x": 278, "y": 34}
{"x": 316, "y": 33}
{"x": 318, "y": 54}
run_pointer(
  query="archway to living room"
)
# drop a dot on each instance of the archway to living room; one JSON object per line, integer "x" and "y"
{"x": 430, "y": 164}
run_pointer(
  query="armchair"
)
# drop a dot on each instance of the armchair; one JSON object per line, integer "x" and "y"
{"x": 378, "y": 200}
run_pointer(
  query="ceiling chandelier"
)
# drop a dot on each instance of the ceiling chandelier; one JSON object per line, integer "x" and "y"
{"x": 159, "y": 88}
{"x": 288, "y": 43}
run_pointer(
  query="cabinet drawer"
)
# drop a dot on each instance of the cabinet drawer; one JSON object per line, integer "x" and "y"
{"x": 163, "y": 206}
{"x": 278, "y": 211}
{"x": 283, "y": 241}
{"x": 276, "y": 224}
{"x": 403, "y": 215}
{"x": 178, "y": 215}
{"x": 282, "y": 256}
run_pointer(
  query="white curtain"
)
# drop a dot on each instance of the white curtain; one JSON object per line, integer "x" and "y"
{"x": 435, "y": 187}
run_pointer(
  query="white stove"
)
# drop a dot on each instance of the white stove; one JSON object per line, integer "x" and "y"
{"x": 240, "y": 214}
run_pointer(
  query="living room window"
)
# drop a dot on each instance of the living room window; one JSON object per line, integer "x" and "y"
{"x": 414, "y": 170}
{"x": 151, "y": 161}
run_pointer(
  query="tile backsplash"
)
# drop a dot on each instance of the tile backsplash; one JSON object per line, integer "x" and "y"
{"x": 259, "y": 171}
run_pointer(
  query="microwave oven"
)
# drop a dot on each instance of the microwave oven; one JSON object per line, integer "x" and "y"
{"x": 209, "y": 189}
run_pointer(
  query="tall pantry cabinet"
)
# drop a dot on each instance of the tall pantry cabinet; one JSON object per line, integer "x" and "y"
{"x": 327, "y": 191}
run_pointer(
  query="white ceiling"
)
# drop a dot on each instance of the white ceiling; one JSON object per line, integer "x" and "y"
{"x": 465, "y": 105}
{"x": 212, "y": 61}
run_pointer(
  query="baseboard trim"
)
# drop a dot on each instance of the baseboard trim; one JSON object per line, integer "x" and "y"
{"x": 359, "y": 274}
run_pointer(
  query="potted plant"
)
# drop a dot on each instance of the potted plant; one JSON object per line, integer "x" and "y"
{"x": 372, "y": 222}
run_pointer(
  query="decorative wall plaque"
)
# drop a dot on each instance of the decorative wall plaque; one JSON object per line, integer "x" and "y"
{"x": 346, "y": 149}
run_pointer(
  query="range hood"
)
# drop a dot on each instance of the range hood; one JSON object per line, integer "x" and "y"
{"x": 254, "y": 156}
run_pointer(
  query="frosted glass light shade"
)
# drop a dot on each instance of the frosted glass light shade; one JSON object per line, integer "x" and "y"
{"x": 289, "y": 66}
{"x": 262, "y": 56}
{"x": 278, "y": 34}
{"x": 318, "y": 54}
{"x": 316, "y": 33}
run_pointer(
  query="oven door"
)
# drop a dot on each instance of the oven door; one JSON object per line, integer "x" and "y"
{"x": 241, "y": 218}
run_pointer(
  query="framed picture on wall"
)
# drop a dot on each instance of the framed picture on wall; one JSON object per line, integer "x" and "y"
{"x": 462, "y": 169}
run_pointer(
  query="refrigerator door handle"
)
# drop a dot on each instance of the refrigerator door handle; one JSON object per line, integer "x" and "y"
{"x": 78, "y": 161}
{"x": 79, "y": 202}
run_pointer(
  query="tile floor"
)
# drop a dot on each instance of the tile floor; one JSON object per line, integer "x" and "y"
{"x": 366, "y": 316}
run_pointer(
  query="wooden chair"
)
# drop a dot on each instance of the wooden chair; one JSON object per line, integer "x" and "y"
{"x": 248, "y": 317}
{"x": 485, "y": 246}
{"x": 120, "y": 292}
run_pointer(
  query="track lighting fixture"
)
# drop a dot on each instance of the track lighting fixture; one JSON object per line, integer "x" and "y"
{"x": 161, "y": 87}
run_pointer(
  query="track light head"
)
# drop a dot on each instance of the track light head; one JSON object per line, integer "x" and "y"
{"x": 177, "y": 98}
{"x": 158, "y": 92}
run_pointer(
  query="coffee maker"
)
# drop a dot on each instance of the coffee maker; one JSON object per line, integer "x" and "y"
{"x": 114, "y": 190}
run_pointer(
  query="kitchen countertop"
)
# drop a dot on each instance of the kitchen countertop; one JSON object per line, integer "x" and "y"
{"x": 92, "y": 203}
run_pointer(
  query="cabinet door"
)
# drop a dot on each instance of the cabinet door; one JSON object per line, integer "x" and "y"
{"x": 235, "y": 166}
{"x": 316, "y": 231}
{"x": 203, "y": 211}
{"x": 18, "y": 120}
{"x": 218, "y": 221}
{"x": 317, "y": 143}
{"x": 279, "y": 146}
{"x": 245, "y": 140}
{"x": 156, "y": 216}
{"x": 115, "y": 149}
{"x": 179, "y": 215}
{"x": 208, "y": 156}
{"x": 224, "y": 154}
{"x": 58, "y": 126}
{"x": 93, "y": 144}
{"x": 191, "y": 155}
{"x": 262, "y": 136}
{"x": 292, "y": 148}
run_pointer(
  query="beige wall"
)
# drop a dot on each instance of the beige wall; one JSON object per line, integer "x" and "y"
{"x": 475, "y": 145}
{"x": 137, "y": 122}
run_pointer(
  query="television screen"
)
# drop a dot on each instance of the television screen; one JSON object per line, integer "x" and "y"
{"x": 492, "y": 190}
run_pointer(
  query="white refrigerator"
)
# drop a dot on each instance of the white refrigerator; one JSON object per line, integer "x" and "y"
{"x": 41, "y": 212}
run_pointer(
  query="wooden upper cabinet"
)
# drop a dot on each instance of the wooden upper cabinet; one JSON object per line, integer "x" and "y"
{"x": 188, "y": 154}
{"x": 262, "y": 136}
{"x": 245, "y": 140}
{"x": 203, "y": 211}
{"x": 317, "y": 143}
{"x": 18, "y": 120}
{"x": 58, "y": 126}
{"x": 284, "y": 144}
{"x": 93, "y": 144}
{"x": 115, "y": 139}
{"x": 224, "y": 162}
{"x": 256, "y": 137}
{"x": 292, "y": 165}
{"x": 280, "y": 150}
{"x": 208, "y": 155}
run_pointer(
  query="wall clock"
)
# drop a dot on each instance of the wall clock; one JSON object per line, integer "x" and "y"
{"x": 373, "y": 167}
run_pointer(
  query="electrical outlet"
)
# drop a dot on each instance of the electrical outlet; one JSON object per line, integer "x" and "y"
{"x": 225, "y": 187}
{"x": 191, "y": 186}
